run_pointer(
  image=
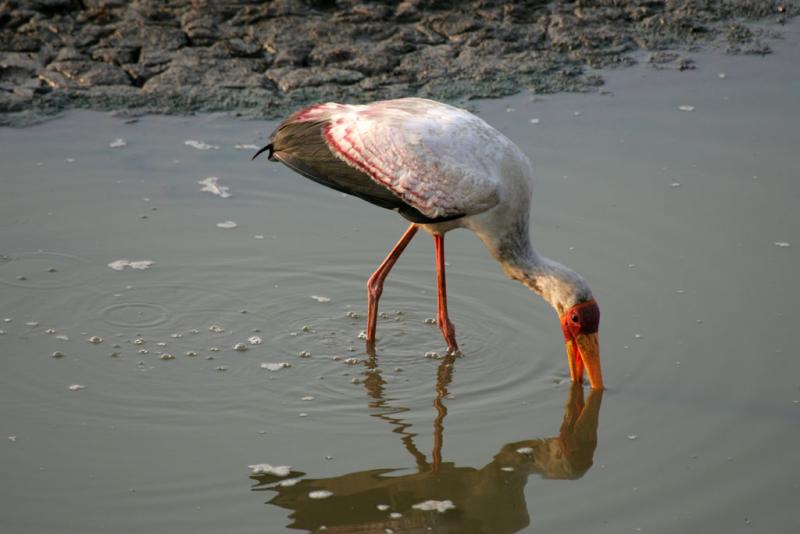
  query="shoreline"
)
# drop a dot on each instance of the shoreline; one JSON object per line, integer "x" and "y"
{"x": 259, "y": 61}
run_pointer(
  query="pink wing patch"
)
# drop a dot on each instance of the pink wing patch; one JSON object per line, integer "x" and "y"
{"x": 442, "y": 160}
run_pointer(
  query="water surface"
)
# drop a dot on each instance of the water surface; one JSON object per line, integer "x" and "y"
{"x": 678, "y": 219}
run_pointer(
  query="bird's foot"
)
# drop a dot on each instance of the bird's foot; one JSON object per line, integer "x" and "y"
{"x": 449, "y": 334}
{"x": 454, "y": 351}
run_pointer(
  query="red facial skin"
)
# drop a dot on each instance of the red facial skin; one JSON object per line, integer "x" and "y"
{"x": 579, "y": 325}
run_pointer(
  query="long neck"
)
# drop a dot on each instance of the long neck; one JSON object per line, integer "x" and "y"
{"x": 560, "y": 286}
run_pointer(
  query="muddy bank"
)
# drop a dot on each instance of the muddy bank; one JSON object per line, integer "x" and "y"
{"x": 259, "y": 59}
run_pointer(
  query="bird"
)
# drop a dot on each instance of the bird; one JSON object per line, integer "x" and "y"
{"x": 441, "y": 168}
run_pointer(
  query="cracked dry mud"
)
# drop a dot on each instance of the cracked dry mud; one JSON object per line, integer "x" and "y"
{"x": 261, "y": 58}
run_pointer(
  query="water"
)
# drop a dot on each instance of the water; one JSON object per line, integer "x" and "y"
{"x": 697, "y": 431}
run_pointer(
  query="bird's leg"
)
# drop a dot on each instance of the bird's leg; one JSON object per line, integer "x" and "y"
{"x": 375, "y": 282}
{"x": 447, "y": 328}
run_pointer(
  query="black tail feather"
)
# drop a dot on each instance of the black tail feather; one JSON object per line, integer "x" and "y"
{"x": 268, "y": 147}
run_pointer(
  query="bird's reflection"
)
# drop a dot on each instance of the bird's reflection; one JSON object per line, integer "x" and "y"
{"x": 487, "y": 499}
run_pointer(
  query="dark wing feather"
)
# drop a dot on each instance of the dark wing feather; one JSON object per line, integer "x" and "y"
{"x": 301, "y": 147}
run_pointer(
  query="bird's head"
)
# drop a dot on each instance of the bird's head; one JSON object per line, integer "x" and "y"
{"x": 569, "y": 294}
{"x": 579, "y": 323}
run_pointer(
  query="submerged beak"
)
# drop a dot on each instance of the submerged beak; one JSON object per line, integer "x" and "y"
{"x": 579, "y": 325}
{"x": 583, "y": 351}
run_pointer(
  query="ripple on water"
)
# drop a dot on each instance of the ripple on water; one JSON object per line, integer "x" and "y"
{"x": 135, "y": 314}
{"x": 43, "y": 270}
{"x": 151, "y": 306}
{"x": 497, "y": 371}
{"x": 501, "y": 367}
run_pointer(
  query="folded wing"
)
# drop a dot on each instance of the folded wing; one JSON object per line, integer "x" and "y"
{"x": 427, "y": 160}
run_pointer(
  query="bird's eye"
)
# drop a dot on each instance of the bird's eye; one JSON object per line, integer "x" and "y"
{"x": 575, "y": 319}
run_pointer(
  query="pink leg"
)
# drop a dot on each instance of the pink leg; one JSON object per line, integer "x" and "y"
{"x": 375, "y": 282}
{"x": 447, "y": 328}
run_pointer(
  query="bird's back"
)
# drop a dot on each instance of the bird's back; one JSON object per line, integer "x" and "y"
{"x": 414, "y": 154}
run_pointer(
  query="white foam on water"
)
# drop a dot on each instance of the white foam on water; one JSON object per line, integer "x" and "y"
{"x": 320, "y": 494}
{"x": 267, "y": 469}
{"x": 212, "y": 185}
{"x": 118, "y": 143}
{"x": 76, "y": 387}
{"x": 307, "y": 398}
{"x": 686, "y": 108}
{"x": 227, "y": 224}
{"x": 95, "y": 339}
{"x": 200, "y": 145}
{"x": 534, "y": 121}
{"x": 255, "y": 340}
{"x": 62, "y": 337}
{"x": 139, "y": 265}
{"x": 782, "y": 244}
{"x": 383, "y": 507}
{"x": 275, "y": 366}
{"x": 439, "y": 506}
{"x": 320, "y": 299}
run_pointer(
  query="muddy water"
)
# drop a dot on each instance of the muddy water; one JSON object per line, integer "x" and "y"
{"x": 679, "y": 220}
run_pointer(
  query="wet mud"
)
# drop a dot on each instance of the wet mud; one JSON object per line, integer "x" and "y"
{"x": 260, "y": 59}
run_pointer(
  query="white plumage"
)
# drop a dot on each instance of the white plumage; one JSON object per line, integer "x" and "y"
{"x": 408, "y": 146}
{"x": 442, "y": 168}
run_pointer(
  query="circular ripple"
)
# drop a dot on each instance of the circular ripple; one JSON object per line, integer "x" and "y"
{"x": 136, "y": 314}
{"x": 511, "y": 350}
{"x": 151, "y": 306}
{"x": 43, "y": 270}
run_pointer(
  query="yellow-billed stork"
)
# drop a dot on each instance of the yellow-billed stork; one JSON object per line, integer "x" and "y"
{"x": 441, "y": 168}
